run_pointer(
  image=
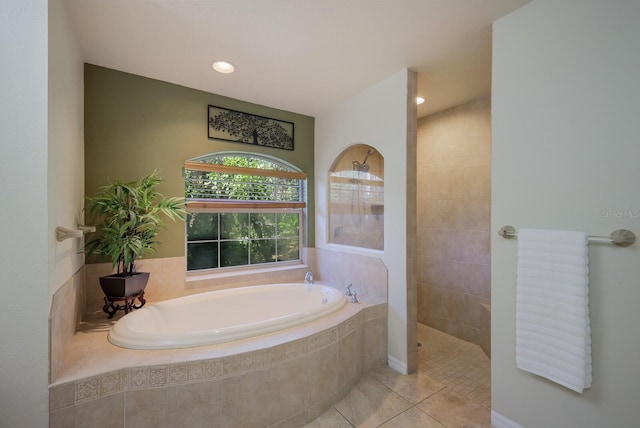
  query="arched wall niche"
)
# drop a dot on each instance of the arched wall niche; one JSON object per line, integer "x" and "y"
{"x": 356, "y": 198}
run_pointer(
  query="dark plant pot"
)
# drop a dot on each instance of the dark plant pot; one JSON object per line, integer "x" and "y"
{"x": 119, "y": 285}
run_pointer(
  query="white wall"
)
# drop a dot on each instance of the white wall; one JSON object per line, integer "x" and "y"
{"x": 66, "y": 144}
{"x": 23, "y": 214}
{"x": 377, "y": 117}
{"x": 566, "y": 146}
{"x": 42, "y": 176}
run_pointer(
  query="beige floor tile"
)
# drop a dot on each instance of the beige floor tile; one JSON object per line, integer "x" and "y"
{"x": 413, "y": 388}
{"x": 330, "y": 419}
{"x": 413, "y": 417}
{"x": 370, "y": 404}
{"x": 454, "y": 411}
{"x": 462, "y": 366}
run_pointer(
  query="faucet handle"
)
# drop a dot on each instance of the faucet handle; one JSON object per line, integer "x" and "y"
{"x": 354, "y": 297}
{"x": 348, "y": 291}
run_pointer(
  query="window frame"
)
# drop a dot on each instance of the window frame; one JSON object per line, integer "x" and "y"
{"x": 247, "y": 206}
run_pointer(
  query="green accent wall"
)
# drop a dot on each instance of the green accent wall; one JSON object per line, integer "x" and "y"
{"x": 134, "y": 125}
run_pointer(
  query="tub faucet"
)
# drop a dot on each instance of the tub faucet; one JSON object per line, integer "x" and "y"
{"x": 351, "y": 293}
{"x": 308, "y": 278}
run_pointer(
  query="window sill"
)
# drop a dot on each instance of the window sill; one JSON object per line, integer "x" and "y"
{"x": 289, "y": 272}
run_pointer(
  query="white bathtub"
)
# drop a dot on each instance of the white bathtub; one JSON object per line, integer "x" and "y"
{"x": 224, "y": 316}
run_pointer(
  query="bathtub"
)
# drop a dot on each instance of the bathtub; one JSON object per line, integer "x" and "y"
{"x": 224, "y": 316}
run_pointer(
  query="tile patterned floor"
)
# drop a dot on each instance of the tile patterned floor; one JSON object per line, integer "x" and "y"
{"x": 450, "y": 390}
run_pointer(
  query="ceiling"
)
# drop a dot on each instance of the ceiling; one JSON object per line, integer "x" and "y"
{"x": 304, "y": 56}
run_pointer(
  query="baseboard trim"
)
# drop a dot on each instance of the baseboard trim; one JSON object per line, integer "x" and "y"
{"x": 499, "y": 421}
{"x": 397, "y": 365}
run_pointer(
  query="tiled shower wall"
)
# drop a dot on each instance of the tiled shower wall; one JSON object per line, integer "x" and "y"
{"x": 454, "y": 209}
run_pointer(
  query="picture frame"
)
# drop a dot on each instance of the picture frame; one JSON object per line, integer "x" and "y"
{"x": 234, "y": 126}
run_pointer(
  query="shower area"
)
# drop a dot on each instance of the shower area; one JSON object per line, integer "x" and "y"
{"x": 356, "y": 193}
{"x": 453, "y": 224}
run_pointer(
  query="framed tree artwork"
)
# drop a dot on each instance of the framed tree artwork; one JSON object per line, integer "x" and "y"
{"x": 238, "y": 127}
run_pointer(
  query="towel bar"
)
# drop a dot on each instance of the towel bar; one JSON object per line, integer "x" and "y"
{"x": 620, "y": 237}
{"x": 63, "y": 233}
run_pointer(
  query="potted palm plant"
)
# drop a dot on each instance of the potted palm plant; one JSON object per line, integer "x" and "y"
{"x": 130, "y": 215}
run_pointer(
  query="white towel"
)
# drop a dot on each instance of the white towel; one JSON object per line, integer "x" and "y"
{"x": 553, "y": 336}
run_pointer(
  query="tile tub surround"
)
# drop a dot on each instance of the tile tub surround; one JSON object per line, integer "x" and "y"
{"x": 279, "y": 379}
{"x": 368, "y": 274}
{"x": 165, "y": 282}
{"x": 338, "y": 268}
{"x": 81, "y": 295}
{"x": 168, "y": 279}
{"x": 67, "y": 308}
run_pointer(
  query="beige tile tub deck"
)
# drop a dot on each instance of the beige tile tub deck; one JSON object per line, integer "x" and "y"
{"x": 277, "y": 380}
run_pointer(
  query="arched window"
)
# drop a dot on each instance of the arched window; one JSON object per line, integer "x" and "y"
{"x": 356, "y": 198}
{"x": 243, "y": 209}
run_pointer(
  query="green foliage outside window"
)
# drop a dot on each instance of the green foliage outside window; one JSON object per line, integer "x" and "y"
{"x": 225, "y": 239}
{"x": 244, "y": 239}
{"x": 241, "y": 187}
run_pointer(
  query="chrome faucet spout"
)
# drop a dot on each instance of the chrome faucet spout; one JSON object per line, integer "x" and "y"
{"x": 348, "y": 291}
{"x": 308, "y": 278}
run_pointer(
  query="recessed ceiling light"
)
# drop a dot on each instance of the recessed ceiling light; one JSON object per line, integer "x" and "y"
{"x": 224, "y": 67}
{"x": 419, "y": 100}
